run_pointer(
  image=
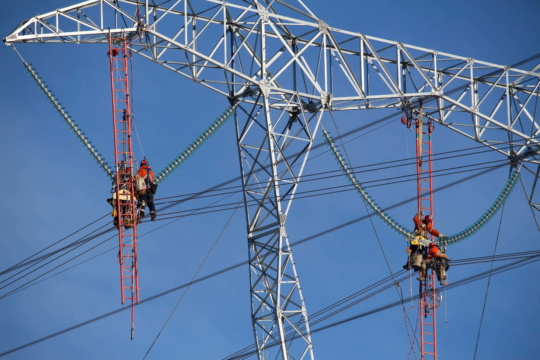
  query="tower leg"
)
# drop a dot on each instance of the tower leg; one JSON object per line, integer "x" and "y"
{"x": 272, "y": 156}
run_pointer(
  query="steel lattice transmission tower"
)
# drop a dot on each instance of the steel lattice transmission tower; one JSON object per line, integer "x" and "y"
{"x": 286, "y": 68}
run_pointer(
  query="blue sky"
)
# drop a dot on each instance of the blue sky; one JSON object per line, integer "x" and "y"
{"x": 53, "y": 188}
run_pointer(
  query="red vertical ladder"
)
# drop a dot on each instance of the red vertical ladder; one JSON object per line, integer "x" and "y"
{"x": 428, "y": 319}
{"x": 123, "y": 153}
{"x": 424, "y": 166}
{"x": 428, "y": 299}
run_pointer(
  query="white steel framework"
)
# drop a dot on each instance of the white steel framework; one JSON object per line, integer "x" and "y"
{"x": 286, "y": 68}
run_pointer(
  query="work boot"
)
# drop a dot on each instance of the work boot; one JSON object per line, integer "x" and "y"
{"x": 140, "y": 216}
{"x": 421, "y": 278}
{"x": 153, "y": 215}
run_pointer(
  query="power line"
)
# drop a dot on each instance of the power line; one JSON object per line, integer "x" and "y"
{"x": 343, "y": 137}
{"x": 25, "y": 261}
{"x": 69, "y": 248}
{"x": 338, "y": 172}
{"x": 249, "y": 350}
{"x": 300, "y": 195}
{"x": 35, "y": 280}
{"x": 56, "y": 267}
{"x": 528, "y": 260}
{"x": 233, "y": 205}
{"x": 348, "y": 187}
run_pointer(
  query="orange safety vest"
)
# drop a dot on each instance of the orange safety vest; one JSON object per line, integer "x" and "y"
{"x": 145, "y": 172}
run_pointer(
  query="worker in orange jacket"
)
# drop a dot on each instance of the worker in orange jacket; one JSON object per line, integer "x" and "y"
{"x": 145, "y": 186}
{"x": 437, "y": 260}
{"x": 424, "y": 226}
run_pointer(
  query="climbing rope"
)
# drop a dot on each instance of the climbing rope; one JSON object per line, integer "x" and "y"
{"x": 443, "y": 241}
{"x": 195, "y": 144}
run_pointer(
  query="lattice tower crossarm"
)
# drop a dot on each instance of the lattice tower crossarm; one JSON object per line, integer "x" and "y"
{"x": 401, "y": 73}
{"x": 495, "y": 105}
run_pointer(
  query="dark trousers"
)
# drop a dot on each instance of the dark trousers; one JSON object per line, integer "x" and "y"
{"x": 147, "y": 199}
{"x": 150, "y": 201}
